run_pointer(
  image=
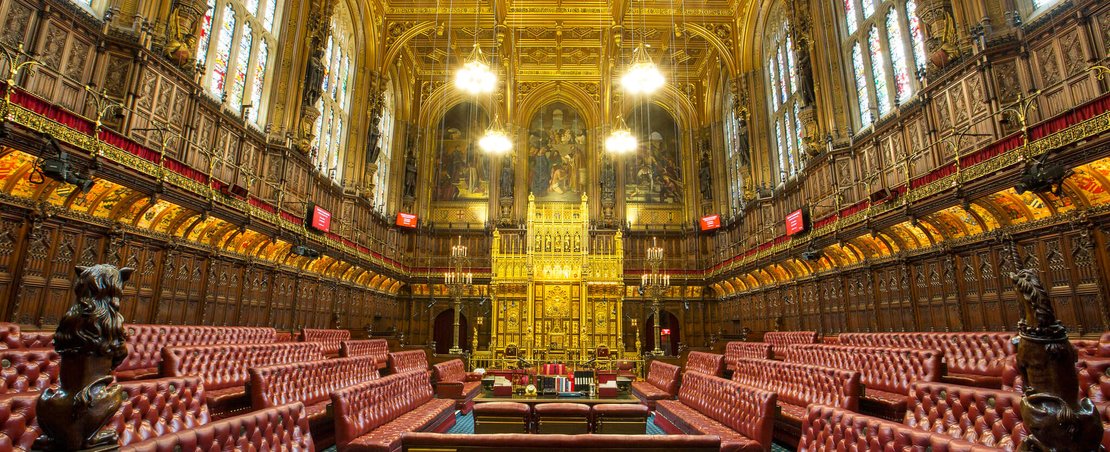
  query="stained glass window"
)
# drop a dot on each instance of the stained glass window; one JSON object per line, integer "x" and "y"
{"x": 885, "y": 45}
{"x": 334, "y": 100}
{"x": 234, "y": 47}
{"x": 782, "y": 82}
{"x": 735, "y": 163}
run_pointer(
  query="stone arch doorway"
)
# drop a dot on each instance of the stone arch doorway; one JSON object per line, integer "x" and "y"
{"x": 669, "y": 324}
{"x": 441, "y": 332}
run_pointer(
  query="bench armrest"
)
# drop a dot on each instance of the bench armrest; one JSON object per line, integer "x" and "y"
{"x": 449, "y": 390}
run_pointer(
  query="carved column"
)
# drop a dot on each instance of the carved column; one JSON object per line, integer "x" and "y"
{"x": 319, "y": 27}
{"x": 801, "y": 30}
{"x": 941, "y": 37}
{"x": 376, "y": 105}
{"x": 182, "y": 30}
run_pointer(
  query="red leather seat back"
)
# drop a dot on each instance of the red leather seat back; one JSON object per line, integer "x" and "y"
{"x": 36, "y": 339}
{"x": 801, "y": 384}
{"x": 145, "y": 342}
{"x": 835, "y": 429}
{"x": 1093, "y": 379}
{"x": 884, "y": 369}
{"x": 408, "y": 361}
{"x": 28, "y": 370}
{"x": 225, "y": 366}
{"x": 329, "y": 340}
{"x": 984, "y": 416}
{"x": 9, "y": 335}
{"x": 964, "y": 353}
{"x": 283, "y": 336}
{"x": 364, "y": 407}
{"x": 749, "y": 350}
{"x": 283, "y": 428}
{"x": 748, "y": 411}
{"x": 310, "y": 382}
{"x": 779, "y": 340}
{"x": 706, "y": 363}
{"x": 159, "y": 407}
{"x": 663, "y": 376}
{"x": 378, "y": 348}
{"x": 18, "y": 429}
{"x": 450, "y": 371}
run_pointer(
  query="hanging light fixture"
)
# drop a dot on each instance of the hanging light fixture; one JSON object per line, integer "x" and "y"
{"x": 496, "y": 140}
{"x": 475, "y": 76}
{"x": 621, "y": 140}
{"x": 643, "y": 76}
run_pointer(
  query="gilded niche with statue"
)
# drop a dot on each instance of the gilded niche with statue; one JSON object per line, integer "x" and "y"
{"x": 556, "y": 285}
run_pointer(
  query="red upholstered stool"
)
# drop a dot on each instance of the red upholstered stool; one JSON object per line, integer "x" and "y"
{"x": 501, "y": 417}
{"x": 621, "y": 419}
{"x": 566, "y": 418}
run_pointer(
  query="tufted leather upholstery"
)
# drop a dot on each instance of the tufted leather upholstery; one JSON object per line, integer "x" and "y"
{"x": 329, "y": 340}
{"x": 453, "y": 382}
{"x": 372, "y": 415}
{"x": 28, "y": 370}
{"x": 18, "y": 429}
{"x": 974, "y": 359}
{"x": 145, "y": 344}
{"x": 1094, "y": 383}
{"x": 224, "y": 368}
{"x": 408, "y": 361}
{"x": 378, "y": 348}
{"x": 985, "y": 416}
{"x": 798, "y": 386}
{"x": 153, "y": 408}
{"x": 517, "y": 442}
{"x": 835, "y": 429}
{"x": 706, "y": 363}
{"x": 310, "y": 383}
{"x": 779, "y": 340}
{"x": 750, "y": 350}
{"x": 742, "y": 416}
{"x": 12, "y": 337}
{"x": 283, "y": 336}
{"x": 886, "y": 372}
{"x": 661, "y": 384}
{"x": 283, "y": 428}
{"x": 9, "y": 335}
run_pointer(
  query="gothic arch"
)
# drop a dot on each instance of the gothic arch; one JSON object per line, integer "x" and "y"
{"x": 556, "y": 91}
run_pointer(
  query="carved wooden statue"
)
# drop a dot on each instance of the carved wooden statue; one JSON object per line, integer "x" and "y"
{"x": 1057, "y": 420}
{"x": 91, "y": 341}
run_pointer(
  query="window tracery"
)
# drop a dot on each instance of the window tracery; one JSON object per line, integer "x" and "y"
{"x": 234, "y": 49}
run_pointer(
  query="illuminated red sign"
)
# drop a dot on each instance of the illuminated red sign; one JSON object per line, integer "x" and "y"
{"x": 795, "y": 222}
{"x": 711, "y": 222}
{"x": 665, "y": 331}
{"x": 406, "y": 220}
{"x": 320, "y": 219}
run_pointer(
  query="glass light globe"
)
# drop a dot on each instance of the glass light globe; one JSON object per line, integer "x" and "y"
{"x": 495, "y": 142}
{"x": 621, "y": 141}
{"x": 475, "y": 77}
{"x": 643, "y": 77}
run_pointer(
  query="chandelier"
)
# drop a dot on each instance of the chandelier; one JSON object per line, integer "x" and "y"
{"x": 621, "y": 140}
{"x": 643, "y": 77}
{"x": 475, "y": 76}
{"x": 496, "y": 140}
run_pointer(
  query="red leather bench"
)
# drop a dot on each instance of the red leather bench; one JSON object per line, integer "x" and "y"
{"x": 565, "y": 418}
{"x": 798, "y": 386}
{"x": 741, "y": 415}
{"x": 12, "y": 337}
{"x": 18, "y": 429}
{"x": 661, "y": 384}
{"x": 159, "y": 407}
{"x": 521, "y": 442}
{"x": 503, "y": 417}
{"x": 283, "y": 428}
{"x": 145, "y": 344}
{"x": 972, "y": 359}
{"x": 885, "y": 372}
{"x": 1088, "y": 348}
{"x": 372, "y": 416}
{"x": 706, "y": 363}
{"x": 283, "y": 336}
{"x": 749, "y": 350}
{"x": 378, "y": 348}
{"x": 779, "y": 340}
{"x": 620, "y": 418}
{"x": 329, "y": 340}
{"x": 985, "y": 416}
{"x": 454, "y": 382}
{"x": 224, "y": 368}
{"x": 836, "y": 429}
{"x": 408, "y": 361}
{"x": 28, "y": 369}
{"x": 310, "y": 383}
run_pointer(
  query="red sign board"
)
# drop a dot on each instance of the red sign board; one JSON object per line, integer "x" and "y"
{"x": 320, "y": 219}
{"x": 406, "y": 220}
{"x": 711, "y": 222}
{"x": 795, "y": 222}
{"x": 665, "y": 331}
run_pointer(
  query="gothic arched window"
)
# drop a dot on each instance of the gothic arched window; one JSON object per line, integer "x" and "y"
{"x": 385, "y": 144}
{"x": 736, "y": 148}
{"x": 786, "y": 129}
{"x": 234, "y": 48}
{"x": 886, "y": 47}
{"x": 335, "y": 98}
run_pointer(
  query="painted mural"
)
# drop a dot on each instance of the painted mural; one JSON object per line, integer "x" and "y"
{"x": 654, "y": 174}
{"x": 556, "y": 153}
{"x": 462, "y": 169}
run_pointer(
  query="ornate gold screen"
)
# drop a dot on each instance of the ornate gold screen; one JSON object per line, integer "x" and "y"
{"x": 557, "y": 285}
